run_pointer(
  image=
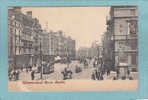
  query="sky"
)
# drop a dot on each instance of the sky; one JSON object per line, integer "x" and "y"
{"x": 83, "y": 24}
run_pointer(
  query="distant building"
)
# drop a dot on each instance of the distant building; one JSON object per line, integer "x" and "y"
{"x": 90, "y": 52}
{"x": 71, "y": 47}
{"x": 60, "y": 45}
{"x": 83, "y": 52}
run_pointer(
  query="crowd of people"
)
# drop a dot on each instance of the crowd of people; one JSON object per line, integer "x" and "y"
{"x": 14, "y": 73}
{"x": 104, "y": 68}
{"x": 100, "y": 68}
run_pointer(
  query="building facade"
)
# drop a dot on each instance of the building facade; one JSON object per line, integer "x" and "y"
{"x": 124, "y": 30}
{"x": 61, "y": 45}
{"x": 28, "y": 42}
{"x": 14, "y": 30}
{"x": 90, "y": 52}
{"x": 22, "y": 37}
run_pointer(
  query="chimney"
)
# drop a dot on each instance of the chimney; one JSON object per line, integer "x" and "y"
{"x": 29, "y": 13}
{"x": 18, "y": 9}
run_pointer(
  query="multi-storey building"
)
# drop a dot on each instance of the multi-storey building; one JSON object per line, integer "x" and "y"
{"x": 37, "y": 36}
{"x": 51, "y": 43}
{"x": 83, "y": 52}
{"x": 90, "y": 52}
{"x": 60, "y": 45}
{"x": 14, "y": 32}
{"x": 70, "y": 47}
{"x": 108, "y": 49}
{"x": 27, "y": 42}
{"x": 124, "y": 30}
{"x": 22, "y": 32}
{"x": 45, "y": 44}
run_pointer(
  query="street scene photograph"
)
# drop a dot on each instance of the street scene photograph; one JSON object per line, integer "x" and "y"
{"x": 72, "y": 48}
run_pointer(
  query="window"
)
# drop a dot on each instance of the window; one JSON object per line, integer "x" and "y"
{"x": 133, "y": 59}
{"x": 133, "y": 12}
{"x": 17, "y": 51}
{"x": 24, "y": 50}
{"x": 121, "y": 26}
{"x": 133, "y": 44}
{"x": 120, "y": 31}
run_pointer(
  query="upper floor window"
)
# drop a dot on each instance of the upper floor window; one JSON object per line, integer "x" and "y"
{"x": 121, "y": 26}
{"x": 133, "y": 12}
{"x": 132, "y": 27}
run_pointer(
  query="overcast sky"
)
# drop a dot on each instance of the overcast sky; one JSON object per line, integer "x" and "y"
{"x": 84, "y": 24}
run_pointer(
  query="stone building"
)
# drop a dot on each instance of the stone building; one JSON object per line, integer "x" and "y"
{"x": 22, "y": 37}
{"x": 124, "y": 30}
{"x": 28, "y": 42}
{"x": 60, "y": 45}
{"x": 44, "y": 45}
{"x": 71, "y": 47}
{"x": 14, "y": 31}
{"x": 89, "y": 52}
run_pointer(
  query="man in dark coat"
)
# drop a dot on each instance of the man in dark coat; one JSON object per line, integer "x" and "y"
{"x": 32, "y": 75}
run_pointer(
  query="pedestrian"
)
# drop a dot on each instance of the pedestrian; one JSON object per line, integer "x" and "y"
{"x": 101, "y": 74}
{"x": 118, "y": 73}
{"x": 64, "y": 75}
{"x": 17, "y": 74}
{"x": 30, "y": 68}
{"x": 93, "y": 76}
{"x": 128, "y": 72}
{"x": 22, "y": 68}
{"x": 10, "y": 75}
{"x": 108, "y": 71}
{"x": 97, "y": 74}
{"x": 14, "y": 74}
{"x": 101, "y": 77}
{"x": 70, "y": 74}
{"x": 26, "y": 68}
{"x": 32, "y": 74}
{"x": 94, "y": 64}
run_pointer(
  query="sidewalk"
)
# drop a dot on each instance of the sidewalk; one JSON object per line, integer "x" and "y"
{"x": 134, "y": 75}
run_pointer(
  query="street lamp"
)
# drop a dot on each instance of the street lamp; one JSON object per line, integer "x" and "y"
{"x": 32, "y": 60}
{"x": 41, "y": 75}
{"x": 13, "y": 18}
{"x": 68, "y": 59}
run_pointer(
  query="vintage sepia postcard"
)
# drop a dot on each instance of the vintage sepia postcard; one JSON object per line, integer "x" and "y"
{"x": 73, "y": 48}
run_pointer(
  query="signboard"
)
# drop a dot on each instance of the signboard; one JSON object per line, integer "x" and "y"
{"x": 123, "y": 64}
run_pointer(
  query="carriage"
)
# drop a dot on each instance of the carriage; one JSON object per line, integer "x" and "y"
{"x": 67, "y": 74}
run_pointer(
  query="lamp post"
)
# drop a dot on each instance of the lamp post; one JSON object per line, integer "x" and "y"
{"x": 32, "y": 38}
{"x": 41, "y": 75}
{"x": 67, "y": 57}
{"x": 32, "y": 60}
{"x": 14, "y": 56}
